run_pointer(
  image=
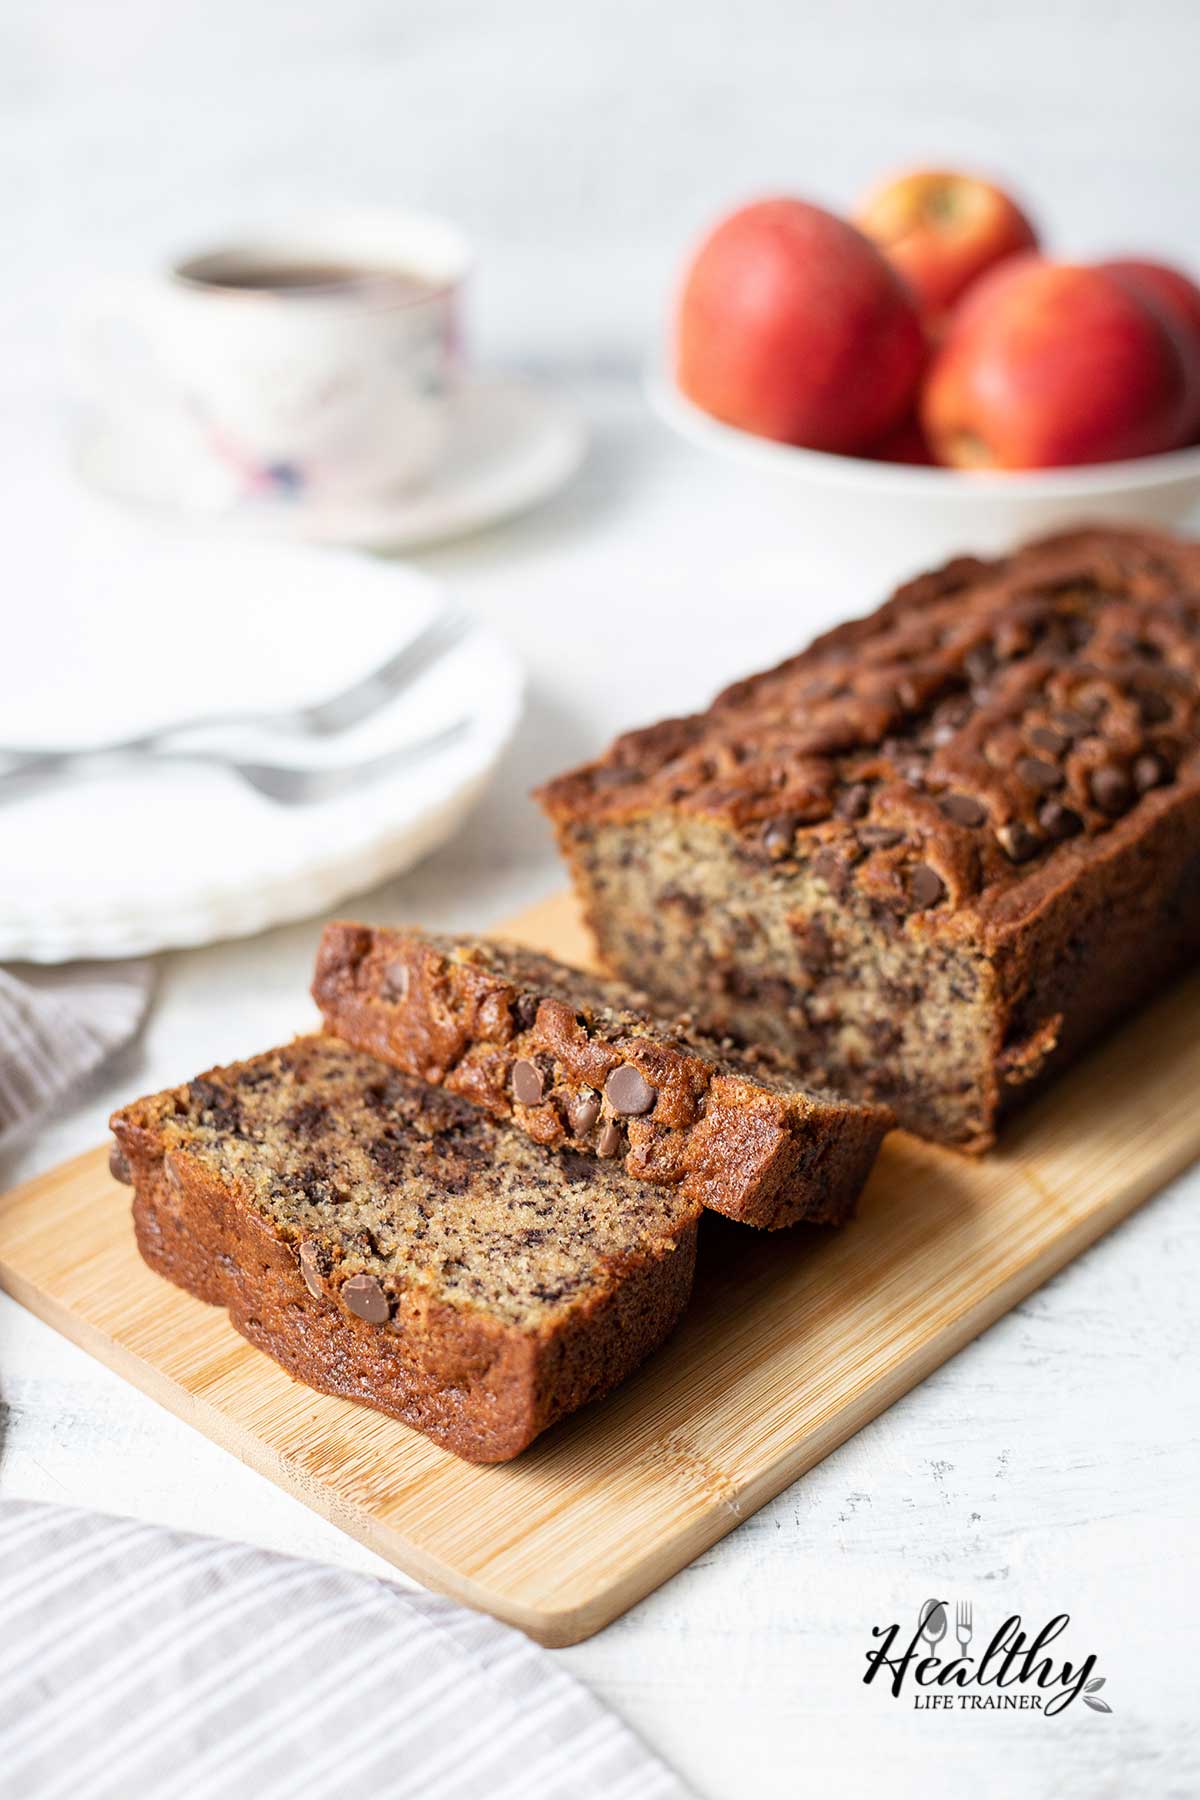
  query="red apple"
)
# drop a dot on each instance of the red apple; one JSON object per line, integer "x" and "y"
{"x": 1050, "y": 364}
{"x": 941, "y": 230}
{"x": 1176, "y": 295}
{"x": 907, "y": 444}
{"x": 791, "y": 325}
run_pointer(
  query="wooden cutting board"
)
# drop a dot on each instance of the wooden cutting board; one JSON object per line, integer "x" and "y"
{"x": 793, "y": 1341}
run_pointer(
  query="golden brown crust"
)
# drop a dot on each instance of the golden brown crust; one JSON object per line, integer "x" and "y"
{"x": 477, "y": 1383}
{"x": 532, "y": 1040}
{"x": 957, "y": 750}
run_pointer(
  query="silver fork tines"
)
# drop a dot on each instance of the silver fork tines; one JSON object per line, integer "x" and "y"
{"x": 352, "y": 706}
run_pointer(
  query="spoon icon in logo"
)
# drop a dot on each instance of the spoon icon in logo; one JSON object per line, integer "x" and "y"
{"x": 931, "y": 1622}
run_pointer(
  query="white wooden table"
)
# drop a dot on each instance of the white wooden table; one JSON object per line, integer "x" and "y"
{"x": 1052, "y": 1466}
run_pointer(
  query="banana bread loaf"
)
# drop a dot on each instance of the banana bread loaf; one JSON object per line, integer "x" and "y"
{"x": 391, "y": 1243}
{"x": 931, "y": 857}
{"x": 575, "y": 1061}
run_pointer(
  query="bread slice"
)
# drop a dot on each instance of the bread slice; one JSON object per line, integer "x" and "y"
{"x": 577, "y": 1061}
{"x": 393, "y": 1244}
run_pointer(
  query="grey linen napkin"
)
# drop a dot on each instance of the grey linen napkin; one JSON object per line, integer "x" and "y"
{"x": 58, "y": 1024}
{"x": 137, "y": 1662}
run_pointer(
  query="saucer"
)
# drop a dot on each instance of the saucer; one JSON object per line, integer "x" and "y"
{"x": 511, "y": 446}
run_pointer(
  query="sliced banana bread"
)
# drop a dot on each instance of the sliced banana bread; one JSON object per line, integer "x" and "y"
{"x": 932, "y": 856}
{"x": 393, "y": 1244}
{"x": 576, "y": 1061}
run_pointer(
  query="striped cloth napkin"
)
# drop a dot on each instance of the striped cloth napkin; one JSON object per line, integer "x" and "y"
{"x": 137, "y": 1662}
{"x": 58, "y": 1024}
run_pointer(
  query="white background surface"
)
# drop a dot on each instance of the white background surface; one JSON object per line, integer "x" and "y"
{"x": 1053, "y": 1465}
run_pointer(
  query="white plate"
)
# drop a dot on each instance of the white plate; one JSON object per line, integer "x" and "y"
{"x": 131, "y": 626}
{"x": 900, "y": 514}
{"x": 511, "y": 446}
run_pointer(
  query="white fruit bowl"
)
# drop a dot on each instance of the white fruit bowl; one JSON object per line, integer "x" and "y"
{"x": 900, "y": 515}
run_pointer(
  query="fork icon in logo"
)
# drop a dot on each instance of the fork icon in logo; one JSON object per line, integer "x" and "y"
{"x": 963, "y": 1624}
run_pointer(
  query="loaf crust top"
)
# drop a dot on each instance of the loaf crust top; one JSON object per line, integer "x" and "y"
{"x": 959, "y": 753}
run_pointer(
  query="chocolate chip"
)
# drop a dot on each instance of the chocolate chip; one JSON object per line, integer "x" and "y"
{"x": 980, "y": 662}
{"x": 964, "y": 809}
{"x": 832, "y": 871}
{"x": 925, "y": 886}
{"x": 118, "y": 1166}
{"x": 1038, "y": 774}
{"x": 582, "y": 1113}
{"x": 1111, "y": 789}
{"x": 366, "y": 1299}
{"x": 395, "y": 981}
{"x": 1059, "y": 821}
{"x": 310, "y": 1269}
{"x": 777, "y": 834}
{"x": 1152, "y": 706}
{"x": 1051, "y": 741}
{"x": 525, "y": 1011}
{"x": 528, "y": 1085}
{"x": 1073, "y": 722}
{"x": 1150, "y": 771}
{"x": 879, "y": 837}
{"x": 1017, "y": 841}
{"x": 854, "y": 801}
{"x": 610, "y": 1140}
{"x": 628, "y": 1092}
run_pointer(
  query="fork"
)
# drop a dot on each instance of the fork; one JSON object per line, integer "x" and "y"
{"x": 963, "y": 1624}
{"x": 351, "y": 706}
{"x": 288, "y": 785}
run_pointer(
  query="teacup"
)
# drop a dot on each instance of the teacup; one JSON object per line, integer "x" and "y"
{"x": 304, "y": 363}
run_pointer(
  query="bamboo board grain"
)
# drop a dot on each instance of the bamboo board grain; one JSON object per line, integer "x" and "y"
{"x": 793, "y": 1341}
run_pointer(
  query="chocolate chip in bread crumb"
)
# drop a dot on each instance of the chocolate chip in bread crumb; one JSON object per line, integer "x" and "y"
{"x": 528, "y": 1086}
{"x": 610, "y": 1140}
{"x": 1017, "y": 841}
{"x": 854, "y": 802}
{"x": 310, "y": 1269}
{"x": 582, "y": 1113}
{"x": 880, "y": 837}
{"x": 1111, "y": 789}
{"x": 629, "y": 1093}
{"x": 1059, "y": 821}
{"x": 963, "y": 809}
{"x": 830, "y": 869}
{"x": 118, "y": 1166}
{"x": 778, "y": 834}
{"x": 925, "y": 886}
{"x": 366, "y": 1299}
{"x": 395, "y": 981}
